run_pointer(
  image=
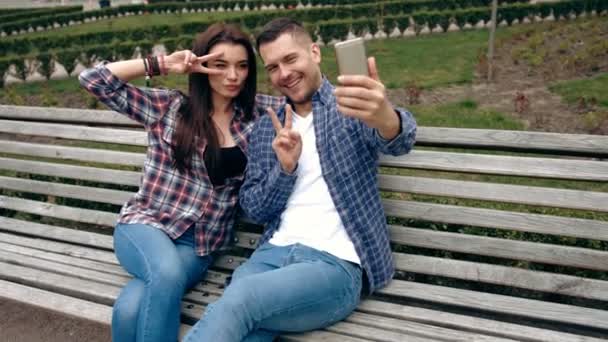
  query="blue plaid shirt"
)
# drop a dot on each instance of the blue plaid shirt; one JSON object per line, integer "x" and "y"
{"x": 348, "y": 152}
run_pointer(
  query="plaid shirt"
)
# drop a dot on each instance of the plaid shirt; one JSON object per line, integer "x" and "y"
{"x": 348, "y": 152}
{"x": 168, "y": 199}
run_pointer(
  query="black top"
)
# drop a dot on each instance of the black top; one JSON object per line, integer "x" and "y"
{"x": 231, "y": 162}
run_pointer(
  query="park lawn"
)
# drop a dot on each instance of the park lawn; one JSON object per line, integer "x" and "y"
{"x": 464, "y": 114}
{"x": 591, "y": 88}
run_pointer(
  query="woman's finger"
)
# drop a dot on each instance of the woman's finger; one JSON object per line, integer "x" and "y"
{"x": 209, "y": 57}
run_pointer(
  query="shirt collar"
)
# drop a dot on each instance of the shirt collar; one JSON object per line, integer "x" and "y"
{"x": 322, "y": 95}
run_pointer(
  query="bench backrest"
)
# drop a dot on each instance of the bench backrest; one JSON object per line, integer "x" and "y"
{"x": 519, "y": 214}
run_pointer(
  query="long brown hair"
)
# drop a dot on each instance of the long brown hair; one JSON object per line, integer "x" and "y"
{"x": 195, "y": 119}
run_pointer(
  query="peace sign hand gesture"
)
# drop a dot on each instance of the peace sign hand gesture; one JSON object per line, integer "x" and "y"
{"x": 186, "y": 62}
{"x": 288, "y": 143}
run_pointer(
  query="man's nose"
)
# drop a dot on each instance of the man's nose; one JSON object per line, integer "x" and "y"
{"x": 284, "y": 73}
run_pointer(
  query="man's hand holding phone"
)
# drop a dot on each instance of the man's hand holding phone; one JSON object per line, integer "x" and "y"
{"x": 363, "y": 96}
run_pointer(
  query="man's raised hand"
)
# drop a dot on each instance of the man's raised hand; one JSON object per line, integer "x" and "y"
{"x": 364, "y": 98}
{"x": 288, "y": 143}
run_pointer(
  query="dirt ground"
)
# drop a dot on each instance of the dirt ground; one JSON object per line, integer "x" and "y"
{"x": 24, "y": 323}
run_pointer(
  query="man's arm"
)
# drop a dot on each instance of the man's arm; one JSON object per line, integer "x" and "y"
{"x": 267, "y": 185}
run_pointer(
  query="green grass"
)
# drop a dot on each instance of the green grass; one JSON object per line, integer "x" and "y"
{"x": 428, "y": 61}
{"x": 464, "y": 114}
{"x": 593, "y": 88}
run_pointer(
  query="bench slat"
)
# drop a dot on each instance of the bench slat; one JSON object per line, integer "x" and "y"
{"x": 560, "y": 198}
{"x": 67, "y": 131}
{"x": 502, "y": 248}
{"x": 58, "y": 211}
{"x": 443, "y": 136}
{"x": 72, "y": 115}
{"x": 115, "y": 197}
{"x": 427, "y": 160}
{"x": 59, "y": 258}
{"x": 516, "y": 140}
{"x": 469, "y": 323}
{"x": 56, "y": 233}
{"x": 58, "y": 251}
{"x": 72, "y": 171}
{"x": 490, "y": 218}
{"x": 503, "y": 275}
{"x": 49, "y": 300}
{"x": 63, "y": 269}
{"x": 530, "y": 308}
{"x": 420, "y": 329}
{"x": 49, "y": 281}
{"x": 63, "y": 248}
{"x": 501, "y": 165}
{"x": 72, "y": 153}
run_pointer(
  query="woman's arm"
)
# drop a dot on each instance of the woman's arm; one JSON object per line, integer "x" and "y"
{"x": 109, "y": 83}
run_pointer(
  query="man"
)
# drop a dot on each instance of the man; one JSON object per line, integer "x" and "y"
{"x": 312, "y": 179}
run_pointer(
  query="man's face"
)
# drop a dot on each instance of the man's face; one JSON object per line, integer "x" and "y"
{"x": 292, "y": 63}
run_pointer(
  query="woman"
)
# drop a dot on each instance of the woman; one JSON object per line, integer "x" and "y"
{"x": 184, "y": 210}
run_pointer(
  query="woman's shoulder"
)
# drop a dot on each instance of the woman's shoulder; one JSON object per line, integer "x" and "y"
{"x": 263, "y": 101}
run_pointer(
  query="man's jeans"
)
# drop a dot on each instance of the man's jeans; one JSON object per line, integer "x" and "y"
{"x": 148, "y": 308}
{"x": 281, "y": 289}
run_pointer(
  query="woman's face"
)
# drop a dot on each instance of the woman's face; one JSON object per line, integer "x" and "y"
{"x": 235, "y": 66}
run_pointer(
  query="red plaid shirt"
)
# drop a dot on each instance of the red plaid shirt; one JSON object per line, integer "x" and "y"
{"x": 167, "y": 198}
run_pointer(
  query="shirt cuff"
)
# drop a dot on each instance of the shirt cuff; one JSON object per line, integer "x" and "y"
{"x": 400, "y": 114}
{"x": 109, "y": 78}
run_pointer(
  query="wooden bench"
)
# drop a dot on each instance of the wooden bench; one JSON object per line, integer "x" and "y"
{"x": 497, "y": 235}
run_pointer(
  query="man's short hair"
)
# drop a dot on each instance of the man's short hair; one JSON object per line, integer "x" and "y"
{"x": 275, "y": 28}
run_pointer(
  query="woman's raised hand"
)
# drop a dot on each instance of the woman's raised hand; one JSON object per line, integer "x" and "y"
{"x": 186, "y": 62}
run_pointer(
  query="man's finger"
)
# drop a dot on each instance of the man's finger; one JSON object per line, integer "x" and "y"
{"x": 373, "y": 71}
{"x": 357, "y": 92}
{"x": 351, "y": 112}
{"x": 275, "y": 120}
{"x": 356, "y": 103}
{"x": 357, "y": 81}
{"x": 288, "y": 116}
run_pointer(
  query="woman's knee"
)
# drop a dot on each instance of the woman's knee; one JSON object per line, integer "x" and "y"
{"x": 127, "y": 305}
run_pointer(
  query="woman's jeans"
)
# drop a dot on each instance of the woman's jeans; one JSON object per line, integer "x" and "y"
{"x": 148, "y": 307}
{"x": 281, "y": 289}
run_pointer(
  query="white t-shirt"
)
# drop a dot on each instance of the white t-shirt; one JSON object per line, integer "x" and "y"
{"x": 310, "y": 217}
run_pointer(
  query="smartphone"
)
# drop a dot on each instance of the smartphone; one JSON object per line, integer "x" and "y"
{"x": 351, "y": 57}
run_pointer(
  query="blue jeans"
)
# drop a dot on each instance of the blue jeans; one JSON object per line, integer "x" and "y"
{"x": 148, "y": 307}
{"x": 281, "y": 289}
